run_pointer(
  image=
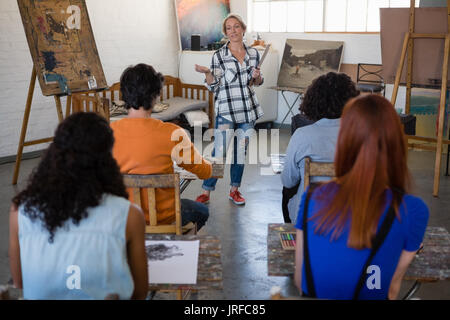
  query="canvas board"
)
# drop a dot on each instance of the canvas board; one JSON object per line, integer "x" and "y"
{"x": 305, "y": 60}
{"x": 428, "y": 55}
{"x": 62, "y": 46}
{"x": 172, "y": 261}
{"x": 202, "y": 17}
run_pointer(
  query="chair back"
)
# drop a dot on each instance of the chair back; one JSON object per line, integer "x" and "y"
{"x": 151, "y": 182}
{"x": 369, "y": 78}
{"x": 83, "y": 102}
{"x": 117, "y": 107}
{"x": 113, "y": 92}
{"x": 317, "y": 169}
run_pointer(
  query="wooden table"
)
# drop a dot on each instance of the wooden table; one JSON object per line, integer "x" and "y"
{"x": 209, "y": 273}
{"x": 430, "y": 265}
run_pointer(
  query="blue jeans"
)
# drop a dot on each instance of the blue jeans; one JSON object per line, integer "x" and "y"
{"x": 192, "y": 211}
{"x": 222, "y": 139}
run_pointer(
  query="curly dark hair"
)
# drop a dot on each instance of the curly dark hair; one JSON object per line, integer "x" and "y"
{"x": 327, "y": 95}
{"x": 140, "y": 86}
{"x": 74, "y": 173}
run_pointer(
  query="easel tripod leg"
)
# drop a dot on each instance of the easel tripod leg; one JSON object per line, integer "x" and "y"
{"x": 23, "y": 132}
{"x": 59, "y": 108}
{"x": 448, "y": 152}
{"x": 437, "y": 167}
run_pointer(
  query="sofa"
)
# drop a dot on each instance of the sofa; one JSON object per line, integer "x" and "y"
{"x": 179, "y": 96}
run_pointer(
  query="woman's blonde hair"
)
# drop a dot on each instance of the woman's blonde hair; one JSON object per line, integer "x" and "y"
{"x": 235, "y": 16}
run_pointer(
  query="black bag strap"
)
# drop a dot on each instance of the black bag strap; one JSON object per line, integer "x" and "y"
{"x": 307, "y": 263}
{"x": 376, "y": 244}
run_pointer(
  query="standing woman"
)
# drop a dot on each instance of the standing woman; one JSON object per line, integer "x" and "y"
{"x": 231, "y": 78}
{"x": 341, "y": 223}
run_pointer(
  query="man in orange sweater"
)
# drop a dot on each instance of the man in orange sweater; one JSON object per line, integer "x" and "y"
{"x": 144, "y": 145}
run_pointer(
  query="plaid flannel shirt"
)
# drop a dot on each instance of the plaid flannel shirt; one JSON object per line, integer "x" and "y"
{"x": 234, "y": 98}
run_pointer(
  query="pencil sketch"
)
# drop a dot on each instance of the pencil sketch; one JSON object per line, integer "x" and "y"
{"x": 161, "y": 252}
{"x": 172, "y": 261}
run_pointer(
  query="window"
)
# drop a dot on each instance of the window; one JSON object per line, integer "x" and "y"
{"x": 320, "y": 15}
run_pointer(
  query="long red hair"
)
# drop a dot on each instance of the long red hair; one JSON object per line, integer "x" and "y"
{"x": 370, "y": 158}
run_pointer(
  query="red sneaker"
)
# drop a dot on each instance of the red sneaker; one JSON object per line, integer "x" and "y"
{"x": 203, "y": 198}
{"x": 236, "y": 197}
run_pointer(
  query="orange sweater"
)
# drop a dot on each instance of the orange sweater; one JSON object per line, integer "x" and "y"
{"x": 145, "y": 146}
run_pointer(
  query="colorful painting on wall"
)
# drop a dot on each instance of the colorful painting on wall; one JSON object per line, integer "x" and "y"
{"x": 202, "y": 17}
{"x": 305, "y": 60}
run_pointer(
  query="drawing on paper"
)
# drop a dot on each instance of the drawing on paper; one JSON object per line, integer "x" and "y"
{"x": 172, "y": 261}
{"x": 160, "y": 252}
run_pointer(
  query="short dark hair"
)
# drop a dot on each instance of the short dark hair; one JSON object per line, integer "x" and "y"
{"x": 75, "y": 172}
{"x": 327, "y": 95}
{"x": 140, "y": 86}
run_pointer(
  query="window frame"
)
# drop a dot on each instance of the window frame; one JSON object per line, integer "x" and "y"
{"x": 250, "y": 12}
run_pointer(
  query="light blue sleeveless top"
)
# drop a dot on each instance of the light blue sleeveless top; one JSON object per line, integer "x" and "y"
{"x": 88, "y": 261}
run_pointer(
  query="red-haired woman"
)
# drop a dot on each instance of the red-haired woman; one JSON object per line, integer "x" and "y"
{"x": 361, "y": 230}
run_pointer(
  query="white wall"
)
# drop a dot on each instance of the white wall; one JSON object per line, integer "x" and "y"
{"x": 126, "y": 33}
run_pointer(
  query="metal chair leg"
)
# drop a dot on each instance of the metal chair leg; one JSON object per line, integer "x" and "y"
{"x": 412, "y": 291}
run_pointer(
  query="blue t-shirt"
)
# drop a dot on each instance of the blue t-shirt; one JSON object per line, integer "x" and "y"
{"x": 336, "y": 268}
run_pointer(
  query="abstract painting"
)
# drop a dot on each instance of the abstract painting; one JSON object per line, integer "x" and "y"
{"x": 62, "y": 46}
{"x": 203, "y": 17}
{"x": 305, "y": 60}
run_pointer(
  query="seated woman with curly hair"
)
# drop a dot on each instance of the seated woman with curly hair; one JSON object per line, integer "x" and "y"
{"x": 323, "y": 104}
{"x": 73, "y": 233}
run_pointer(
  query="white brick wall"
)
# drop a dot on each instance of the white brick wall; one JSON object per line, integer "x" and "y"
{"x": 126, "y": 33}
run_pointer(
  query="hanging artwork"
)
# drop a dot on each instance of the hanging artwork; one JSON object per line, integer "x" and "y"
{"x": 305, "y": 60}
{"x": 201, "y": 17}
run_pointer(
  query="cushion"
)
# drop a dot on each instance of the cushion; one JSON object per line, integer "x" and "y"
{"x": 179, "y": 105}
{"x": 196, "y": 117}
{"x": 117, "y": 108}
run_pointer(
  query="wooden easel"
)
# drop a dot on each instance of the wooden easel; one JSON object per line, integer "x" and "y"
{"x": 26, "y": 116}
{"x": 57, "y": 32}
{"x": 407, "y": 50}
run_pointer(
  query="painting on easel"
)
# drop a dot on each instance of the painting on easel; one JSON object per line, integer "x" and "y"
{"x": 62, "y": 46}
{"x": 305, "y": 60}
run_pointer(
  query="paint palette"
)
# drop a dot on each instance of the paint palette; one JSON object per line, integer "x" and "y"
{"x": 287, "y": 240}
